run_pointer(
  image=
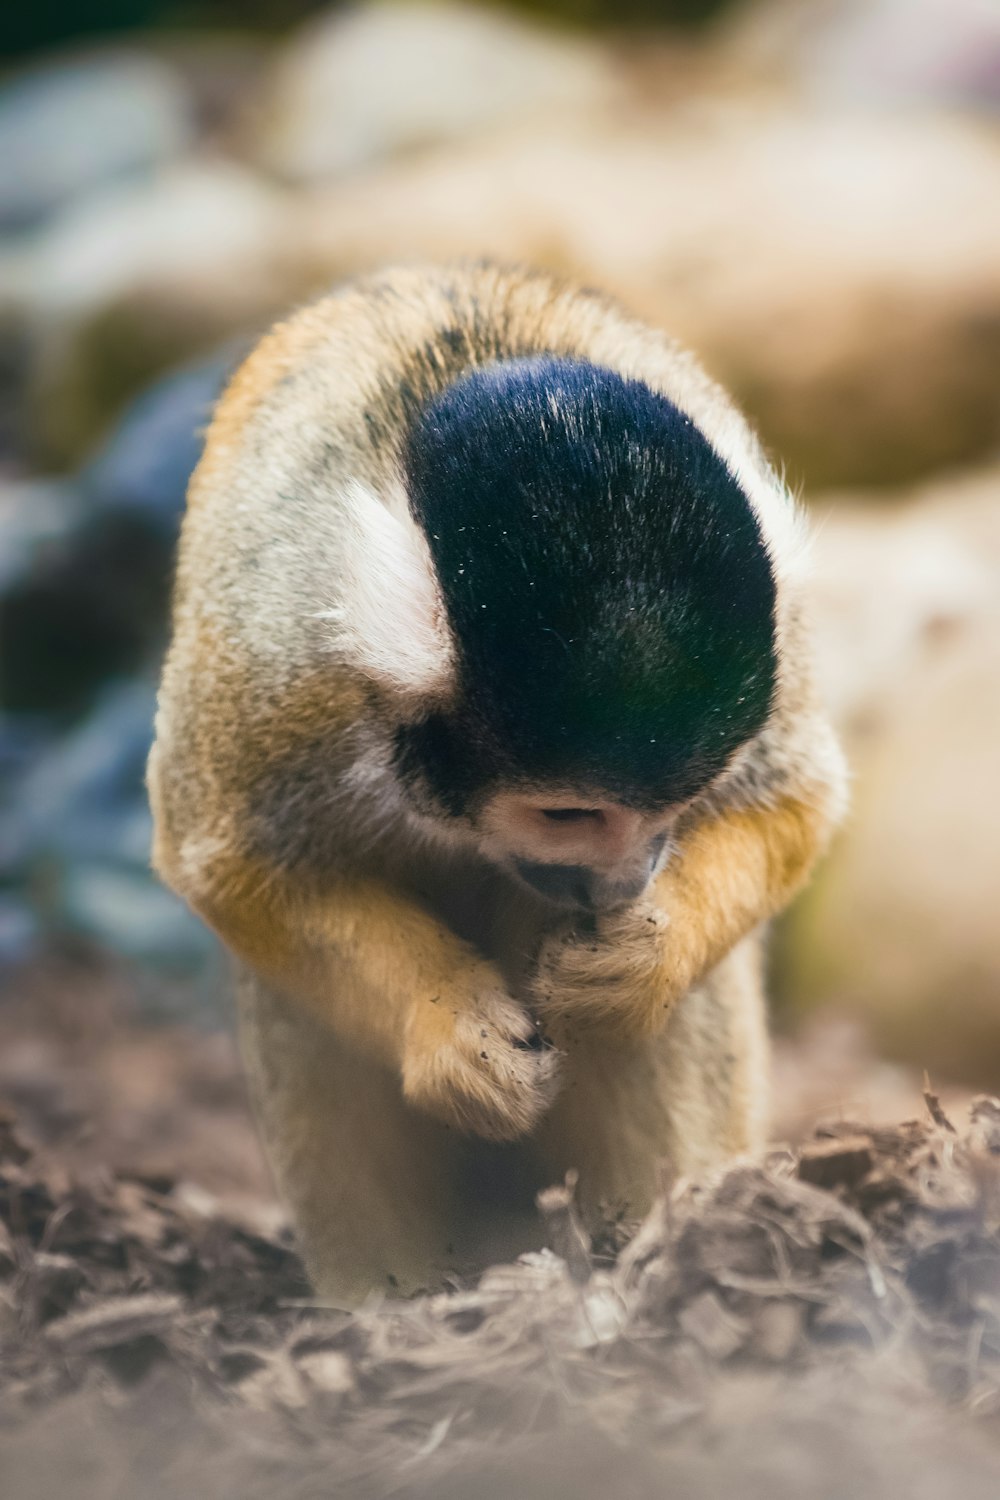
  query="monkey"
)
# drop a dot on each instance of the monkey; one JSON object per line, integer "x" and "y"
{"x": 488, "y": 742}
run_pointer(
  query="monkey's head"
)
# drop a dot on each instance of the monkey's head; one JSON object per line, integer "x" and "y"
{"x": 606, "y": 622}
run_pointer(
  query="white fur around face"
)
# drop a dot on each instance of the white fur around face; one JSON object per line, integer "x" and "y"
{"x": 389, "y": 621}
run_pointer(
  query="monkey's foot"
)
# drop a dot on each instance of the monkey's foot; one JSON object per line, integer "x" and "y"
{"x": 478, "y": 1062}
{"x": 618, "y": 978}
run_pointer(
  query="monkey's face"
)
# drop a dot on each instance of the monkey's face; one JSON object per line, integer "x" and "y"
{"x": 610, "y": 612}
{"x": 580, "y": 852}
{"x": 577, "y": 848}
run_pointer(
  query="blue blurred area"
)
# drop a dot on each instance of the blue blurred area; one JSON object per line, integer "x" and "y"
{"x": 143, "y": 469}
{"x": 85, "y": 565}
{"x": 135, "y": 116}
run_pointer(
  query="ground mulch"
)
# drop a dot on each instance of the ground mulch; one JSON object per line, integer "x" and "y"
{"x": 826, "y": 1323}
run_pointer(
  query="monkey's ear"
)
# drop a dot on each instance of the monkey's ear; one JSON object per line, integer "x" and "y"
{"x": 388, "y": 620}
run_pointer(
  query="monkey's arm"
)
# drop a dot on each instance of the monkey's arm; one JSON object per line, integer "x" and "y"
{"x": 730, "y": 872}
{"x": 388, "y": 978}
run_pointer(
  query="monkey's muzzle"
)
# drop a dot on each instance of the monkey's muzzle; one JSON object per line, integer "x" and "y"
{"x": 579, "y": 888}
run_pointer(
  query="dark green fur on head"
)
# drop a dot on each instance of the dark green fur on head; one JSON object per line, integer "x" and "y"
{"x": 605, "y": 582}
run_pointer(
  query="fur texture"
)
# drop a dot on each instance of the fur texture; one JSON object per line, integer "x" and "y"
{"x": 429, "y": 1039}
{"x": 605, "y": 580}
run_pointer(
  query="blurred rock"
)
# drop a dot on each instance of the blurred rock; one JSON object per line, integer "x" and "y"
{"x": 222, "y": 71}
{"x": 75, "y": 850}
{"x": 34, "y": 515}
{"x": 943, "y": 52}
{"x": 85, "y": 564}
{"x": 85, "y": 567}
{"x": 841, "y": 275}
{"x": 896, "y": 580}
{"x": 71, "y": 803}
{"x": 354, "y": 87}
{"x": 71, "y": 126}
{"x": 57, "y": 611}
{"x": 175, "y": 226}
{"x": 134, "y": 280}
{"x": 20, "y": 930}
{"x": 144, "y": 466}
{"x": 900, "y": 929}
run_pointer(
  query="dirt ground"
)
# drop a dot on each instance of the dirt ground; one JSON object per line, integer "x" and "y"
{"x": 825, "y": 1324}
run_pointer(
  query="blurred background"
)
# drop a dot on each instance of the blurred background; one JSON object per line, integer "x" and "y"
{"x": 807, "y": 192}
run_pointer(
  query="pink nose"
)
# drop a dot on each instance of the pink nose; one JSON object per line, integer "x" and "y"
{"x": 594, "y": 833}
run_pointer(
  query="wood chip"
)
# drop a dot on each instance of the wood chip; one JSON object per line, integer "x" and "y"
{"x": 713, "y": 1326}
{"x": 566, "y": 1234}
{"x": 934, "y": 1109}
{"x": 984, "y": 1114}
{"x": 328, "y": 1371}
{"x": 777, "y": 1330}
{"x": 115, "y": 1321}
{"x": 837, "y": 1163}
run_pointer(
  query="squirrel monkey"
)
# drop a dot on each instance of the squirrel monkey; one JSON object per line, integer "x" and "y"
{"x": 487, "y": 742}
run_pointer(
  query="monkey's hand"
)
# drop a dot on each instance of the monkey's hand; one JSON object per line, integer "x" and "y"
{"x": 729, "y": 874}
{"x": 379, "y": 970}
{"x": 616, "y": 976}
{"x": 477, "y": 1060}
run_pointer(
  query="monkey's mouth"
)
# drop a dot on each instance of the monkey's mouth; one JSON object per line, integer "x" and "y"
{"x": 578, "y": 888}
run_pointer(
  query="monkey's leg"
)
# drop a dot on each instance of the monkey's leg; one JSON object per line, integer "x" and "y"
{"x": 384, "y": 1197}
{"x": 633, "y": 1112}
{"x": 367, "y": 1180}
